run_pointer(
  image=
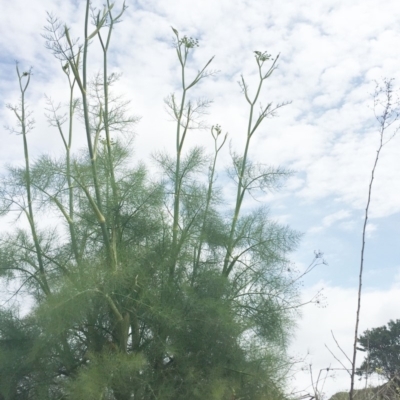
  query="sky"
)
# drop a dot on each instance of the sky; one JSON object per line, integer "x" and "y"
{"x": 331, "y": 54}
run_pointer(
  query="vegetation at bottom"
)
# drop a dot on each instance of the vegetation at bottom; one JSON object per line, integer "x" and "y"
{"x": 387, "y": 391}
{"x": 141, "y": 288}
{"x": 382, "y": 361}
{"x": 382, "y": 348}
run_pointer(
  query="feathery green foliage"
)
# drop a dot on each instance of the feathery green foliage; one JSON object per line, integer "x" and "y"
{"x": 146, "y": 289}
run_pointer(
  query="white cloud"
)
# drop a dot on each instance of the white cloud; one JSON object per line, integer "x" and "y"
{"x": 326, "y": 69}
{"x": 370, "y": 229}
{"x": 337, "y": 216}
{"x": 332, "y": 219}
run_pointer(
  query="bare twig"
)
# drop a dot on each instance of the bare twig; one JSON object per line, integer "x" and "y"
{"x": 337, "y": 359}
{"x": 337, "y": 344}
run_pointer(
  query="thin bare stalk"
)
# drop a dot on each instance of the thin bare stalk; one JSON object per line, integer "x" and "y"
{"x": 339, "y": 347}
{"x": 389, "y": 116}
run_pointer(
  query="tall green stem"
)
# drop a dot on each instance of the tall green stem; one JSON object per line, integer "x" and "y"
{"x": 115, "y": 229}
{"x": 30, "y": 213}
{"x": 208, "y": 199}
{"x": 179, "y": 146}
{"x": 183, "y": 47}
{"x": 241, "y": 190}
{"x": 229, "y": 260}
{"x": 74, "y": 241}
{"x": 92, "y": 155}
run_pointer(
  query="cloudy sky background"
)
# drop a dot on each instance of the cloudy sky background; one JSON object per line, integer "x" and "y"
{"x": 331, "y": 53}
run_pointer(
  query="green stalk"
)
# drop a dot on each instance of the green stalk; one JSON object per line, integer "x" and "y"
{"x": 69, "y": 179}
{"x": 68, "y": 146}
{"x": 179, "y": 146}
{"x": 182, "y": 56}
{"x": 115, "y": 223}
{"x": 177, "y": 190}
{"x": 240, "y": 189}
{"x": 30, "y": 213}
{"x": 229, "y": 260}
{"x": 208, "y": 199}
{"x": 101, "y": 218}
